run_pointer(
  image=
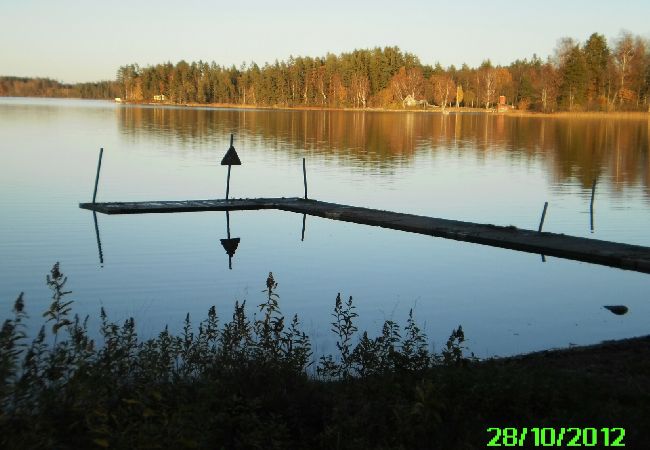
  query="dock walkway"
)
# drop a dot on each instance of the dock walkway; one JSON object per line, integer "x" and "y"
{"x": 623, "y": 256}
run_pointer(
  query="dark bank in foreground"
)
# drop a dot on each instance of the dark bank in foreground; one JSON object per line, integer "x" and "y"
{"x": 251, "y": 383}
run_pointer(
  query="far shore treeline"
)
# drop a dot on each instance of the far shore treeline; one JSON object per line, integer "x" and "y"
{"x": 581, "y": 76}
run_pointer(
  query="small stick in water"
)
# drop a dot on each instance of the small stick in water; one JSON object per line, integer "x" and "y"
{"x": 541, "y": 222}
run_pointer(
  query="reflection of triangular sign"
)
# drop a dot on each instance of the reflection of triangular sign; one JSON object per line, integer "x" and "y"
{"x": 230, "y": 245}
{"x": 231, "y": 158}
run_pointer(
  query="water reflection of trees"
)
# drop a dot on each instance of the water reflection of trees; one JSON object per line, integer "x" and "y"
{"x": 572, "y": 148}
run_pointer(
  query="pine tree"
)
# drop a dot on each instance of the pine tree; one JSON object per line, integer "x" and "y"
{"x": 597, "y": 57}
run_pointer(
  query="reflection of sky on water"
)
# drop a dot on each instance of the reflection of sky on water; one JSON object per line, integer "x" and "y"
{"x": 157, "y": 267}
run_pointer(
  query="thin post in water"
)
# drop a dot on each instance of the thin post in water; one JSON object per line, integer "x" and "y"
{"x": 541, "y": 222}
{"x": 304, "y": 176}
{"x": 99, "y": 166}
{"x": 591, "y": 205}
{"x": 228, "y": 183}
{"x": 304, "y": 218}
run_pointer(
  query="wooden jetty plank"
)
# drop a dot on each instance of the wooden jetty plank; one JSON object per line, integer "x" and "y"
{"x": 624, "y": 256}
{"x": 184, "y": 205}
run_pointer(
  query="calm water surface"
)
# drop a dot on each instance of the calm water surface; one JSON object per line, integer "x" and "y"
{"x": 476, "y": 167}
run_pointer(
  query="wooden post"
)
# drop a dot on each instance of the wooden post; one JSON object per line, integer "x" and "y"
{"x": 304, "y": 218}
{"x": 230, "y": 158}
{"x": 541, "y": 222}
{"x": 228, "y": 182}
{"x": 99, "y": 166}
{"x": 304, "y": 176}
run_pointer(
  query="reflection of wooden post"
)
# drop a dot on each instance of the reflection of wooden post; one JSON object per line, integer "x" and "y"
{"x": 99, "y": 166}
{"x": 229, "y": 244}
{"x": 228, "y": 226}
{"x": 304, "y": 176}
{"x": 591, "y": 205}
{"x": 99, "y": 242}
{"x": 541, "y": 222}
{"x": 304, "y": 218}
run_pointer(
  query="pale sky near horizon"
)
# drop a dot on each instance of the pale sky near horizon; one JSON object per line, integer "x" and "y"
{"x": 73, "y": 40}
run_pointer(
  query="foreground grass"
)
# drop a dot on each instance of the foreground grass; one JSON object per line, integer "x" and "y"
{"x": 244, "y": 384}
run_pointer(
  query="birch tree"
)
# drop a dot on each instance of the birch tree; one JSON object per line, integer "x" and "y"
{"x": 623, "y": 55}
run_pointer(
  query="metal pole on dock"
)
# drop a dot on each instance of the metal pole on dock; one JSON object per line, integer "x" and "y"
{"x": 304, "y": 176}
{"x": 228, "y": 182}
{"x": 230, "y": 158}
{"x": 99, "y": 166}
{"x": 541, "y": 222}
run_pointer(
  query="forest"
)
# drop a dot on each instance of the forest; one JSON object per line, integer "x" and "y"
{"x": 580, "y": 76}
{"x": 45, "y": 87}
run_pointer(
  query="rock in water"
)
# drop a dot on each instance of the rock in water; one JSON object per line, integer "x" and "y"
{"x": 619, "y": 310}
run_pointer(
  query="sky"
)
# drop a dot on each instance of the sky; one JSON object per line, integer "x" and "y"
{"x": 77, "y": 41}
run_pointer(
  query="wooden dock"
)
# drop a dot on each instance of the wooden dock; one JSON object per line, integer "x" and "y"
{"x": 623, "y": 256}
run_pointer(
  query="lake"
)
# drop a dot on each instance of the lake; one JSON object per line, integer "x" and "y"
{"x": 479, "y": 167}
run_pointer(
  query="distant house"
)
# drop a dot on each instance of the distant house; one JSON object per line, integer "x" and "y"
{"x": 502, "y": 106}
{"x": 410, "y": 101}
{"x": 118, "y": 99}
{"x": 159, "y": 98}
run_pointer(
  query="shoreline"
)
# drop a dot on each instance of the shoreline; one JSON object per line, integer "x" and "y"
{"x": 604, "y": 352}
{"x": 432, "y": 110}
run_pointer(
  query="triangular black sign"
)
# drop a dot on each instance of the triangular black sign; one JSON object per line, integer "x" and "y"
{"x": 231, "y": 158}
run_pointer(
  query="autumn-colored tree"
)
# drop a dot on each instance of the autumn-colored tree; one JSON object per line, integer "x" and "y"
{"x": 488, "y": 76}
{"x": 639, "y": 67}
{"x": 459, "y": 95}
{"x": 546, "y": 83}
{"x": 464, "y": 77}
{"x": 360, "y": 89}
{"x": 444, "y": 89}
{"x": 408, "y": 84}
{"x": 338, "y": 92}
{"x": 624, "y": 53}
